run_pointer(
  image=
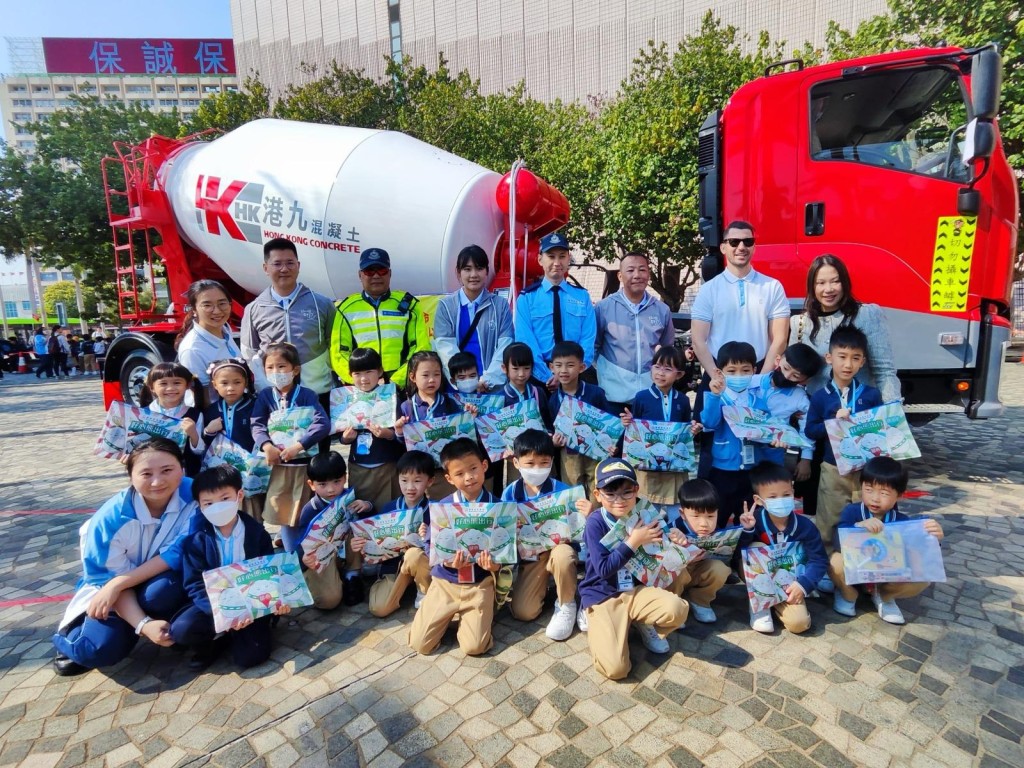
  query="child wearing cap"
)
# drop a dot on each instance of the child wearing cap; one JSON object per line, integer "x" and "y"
{"x": 609, "y": 595}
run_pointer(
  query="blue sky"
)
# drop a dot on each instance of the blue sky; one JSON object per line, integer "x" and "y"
{"x": 111, "y": 18}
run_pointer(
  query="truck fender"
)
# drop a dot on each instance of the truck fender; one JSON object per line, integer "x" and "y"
{"x": 129, "y": 358}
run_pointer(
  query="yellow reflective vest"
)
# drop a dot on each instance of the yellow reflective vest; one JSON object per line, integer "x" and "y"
{"x": 393, "y": 326}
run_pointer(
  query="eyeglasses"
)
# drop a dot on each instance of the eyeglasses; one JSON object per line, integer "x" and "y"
{"x": 375, "y": 272}
{"x": 664, "y": 369}
{"x": 623, "y": 496}
{"x": 280, "y": 266}
{"x": 734, "y": 242}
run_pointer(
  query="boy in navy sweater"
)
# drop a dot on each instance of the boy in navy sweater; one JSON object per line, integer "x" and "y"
{"x": 224, "y": 537}
{"x": 609, "y": 595}
{"x": 459, "y": 587}
{"x": 776, "y": 523}
{"x": 882, "y": 482}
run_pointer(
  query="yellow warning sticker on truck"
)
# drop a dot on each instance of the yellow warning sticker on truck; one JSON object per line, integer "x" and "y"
{"x": 951, "y": 263}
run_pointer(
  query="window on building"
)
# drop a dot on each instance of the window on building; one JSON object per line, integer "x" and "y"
{"x": 189, "y": 102}
{"x": 138, "y": 89}
{"x": 65, "y": 88}
{"x": 43, "y": 117}
{"x": 68, "y": 275}
{"x": 17, "y": 88}
{"x": 144, "y": 102}
{"x": 26, "y": 145}
{"x": 44, "y": 103}
{"x": 211, "y": 89}
{"x": 21, "y": 102}
{"x": 21, "y": 116}
{"x": 395, "y": 25}
{"x": 87, "y": 88}
{"x": 11, "y": 308}
{"x": 111, "y": 88}
{"x": 40, "y": 89}
{"x": 26, "y": 306}
{"x": 165, "y": 89}
{"x": 48, "y": 277}
{"x": 168, "y": 102}
{"x": 189, "y": 88}
{"x": 21, "y": 130}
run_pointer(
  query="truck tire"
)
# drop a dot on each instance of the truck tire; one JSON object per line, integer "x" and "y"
{"x": 134, "y": 370}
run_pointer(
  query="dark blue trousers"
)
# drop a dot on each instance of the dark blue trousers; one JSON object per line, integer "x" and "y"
{"x": 249, "y": 646}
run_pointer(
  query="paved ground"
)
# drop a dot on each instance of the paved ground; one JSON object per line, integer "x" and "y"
{"x": 343, "y": 688}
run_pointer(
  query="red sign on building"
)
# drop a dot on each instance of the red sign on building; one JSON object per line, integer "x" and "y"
{"x": 138, "y": 56}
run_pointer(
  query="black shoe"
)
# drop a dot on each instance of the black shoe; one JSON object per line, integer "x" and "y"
{"x": 65, "y": 667}
{"x": 353, "y": 592}
{"x": 204, "y": 657}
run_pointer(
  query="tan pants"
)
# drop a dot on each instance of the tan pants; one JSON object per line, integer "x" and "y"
{"x": 609, "y": 625}
{"x": 472, "y": 603}
{"x": 253, "y": 505}
{"x": 353, "y": 559}
{"x": 701, "y": 581}
{"x": 661, "y": 487}
{"x": 287, "y": 494}
{"x": 325, "y": 587}
{"x": 377, "y": 485}
{"x": 387, "y": 591}
{"x": 578, "y": 469}
{"x": 795, "y": 618}
{"x": 894, "y": 591}
{"x": 531, "y": 585}
{"x": 835, "y": 491}
{"x": 440, "y": 487}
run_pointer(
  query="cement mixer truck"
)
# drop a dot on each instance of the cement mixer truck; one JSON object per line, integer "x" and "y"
{"x": 195, "y": 209}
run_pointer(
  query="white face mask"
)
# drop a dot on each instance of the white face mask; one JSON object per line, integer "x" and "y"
{"x": 221, "y": 512}
{"x": 467, "y": 386}
{"x": 781, "y": 507}
{"x": 281, "y": 379}
{"x": 535, "y": 477}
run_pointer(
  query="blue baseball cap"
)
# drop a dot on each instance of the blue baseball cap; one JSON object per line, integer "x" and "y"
{"x": 611, "y": 470}
{"x": 374, "y": 258}
{"x": 552, "y": 241}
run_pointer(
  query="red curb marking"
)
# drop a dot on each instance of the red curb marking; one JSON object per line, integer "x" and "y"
{"x": 88, "y": 511}
{"x": 916, "y": 494}
{"x": 34, "y": 600}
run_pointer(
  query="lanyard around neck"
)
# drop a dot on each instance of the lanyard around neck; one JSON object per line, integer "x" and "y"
{"x": 781, "y": 537}
{"x": 890, "y": 516}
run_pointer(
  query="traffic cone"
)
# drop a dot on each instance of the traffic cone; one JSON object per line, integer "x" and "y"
{"x": 22, "y": 364}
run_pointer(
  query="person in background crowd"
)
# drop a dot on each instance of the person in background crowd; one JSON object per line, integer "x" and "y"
{"x": 41, "y": 348}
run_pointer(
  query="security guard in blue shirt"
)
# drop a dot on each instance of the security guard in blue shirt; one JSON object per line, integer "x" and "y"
{"x": 551, "y": 310}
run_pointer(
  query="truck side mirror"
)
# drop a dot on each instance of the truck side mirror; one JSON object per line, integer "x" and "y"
{"x": 986, "y": 82}
{"x": 980, "y": 141}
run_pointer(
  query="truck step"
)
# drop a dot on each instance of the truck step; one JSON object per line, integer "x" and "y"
{"x": 933, "y": 408}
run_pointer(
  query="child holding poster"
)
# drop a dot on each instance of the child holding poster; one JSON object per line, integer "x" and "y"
{"x": 883, "y": 481}
{"x": 164, "y": 393}
{"x": 223, "y": 537}
{"x": 609, "y": 595}
{"x": 662, "y": 402}
{"x": 517, "y": 365}
{"x": 459, "y": 587}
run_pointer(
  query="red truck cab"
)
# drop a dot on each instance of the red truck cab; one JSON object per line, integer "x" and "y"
{"x": 892, "y": 163}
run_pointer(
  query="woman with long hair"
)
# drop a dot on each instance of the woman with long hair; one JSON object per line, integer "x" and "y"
{"x": 206, "y": 336}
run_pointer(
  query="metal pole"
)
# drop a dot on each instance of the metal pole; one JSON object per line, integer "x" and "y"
{"x": 81, "y": 305}
{"x": 3, "y": 310}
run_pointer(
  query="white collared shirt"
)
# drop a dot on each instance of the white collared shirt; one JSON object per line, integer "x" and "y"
{"x": 718, "y": 303}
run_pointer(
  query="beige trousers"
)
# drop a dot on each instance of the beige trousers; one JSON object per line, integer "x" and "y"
{"x": 701, "y": 581}
{"x": 795, "y": 618}
{"x": 472, "y": 603}
{"x": 894, "y": 591}
{"x": 326, "y": 587}
{"x": 609, "y": 625}
{"x": 387, "y": 592}
{"x": 531, "y": 585}
{"x": 377, "y": 485}
{"x": 578, "y": 469}
{"x": 835, "y": 491}
{"x": 287, "y": 494}
{"x": 661, "y": 487}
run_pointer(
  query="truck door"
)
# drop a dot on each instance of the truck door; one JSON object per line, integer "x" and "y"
{"x": 878, "y": 182}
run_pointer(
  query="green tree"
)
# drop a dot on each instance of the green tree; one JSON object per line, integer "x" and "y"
{"x": 227, "y": 110}
{"x": 341, "y": 96}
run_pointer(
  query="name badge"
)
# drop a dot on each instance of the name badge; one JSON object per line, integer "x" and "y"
{"x": 363, "y": 442}
{"x": 466, "y": 574}
{"x": 625, "y": 580}
{"x": 748, "y": 454}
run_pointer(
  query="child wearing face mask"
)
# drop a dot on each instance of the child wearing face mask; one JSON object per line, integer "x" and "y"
{"x": 774, "y": 522}
{"x": 464, "y": 373}
{"x": 222, "y": 537}
{"x": 287, "y": 491}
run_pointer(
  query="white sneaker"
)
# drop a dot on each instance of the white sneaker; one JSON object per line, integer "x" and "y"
{"x": 762, "y": 622}
{"x": 560, "y": 626}
{"x": 418, "y": 601}
{"x": 842, "y": 606}
{"x": 582, "y": 622}
{"x": 825, "y": 585}
{"x": 888, "y": 611}
{"x": 705, "y": 614}
{"x": 652, "y": 641}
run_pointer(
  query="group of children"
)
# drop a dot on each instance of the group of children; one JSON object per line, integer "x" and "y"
{"x": 747, "y": 484}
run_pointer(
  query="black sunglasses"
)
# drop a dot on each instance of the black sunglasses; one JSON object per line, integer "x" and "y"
{"x": 735, "y": 241}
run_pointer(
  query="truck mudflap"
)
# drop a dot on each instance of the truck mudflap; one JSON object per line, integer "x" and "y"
{"x": 992, "y": 342}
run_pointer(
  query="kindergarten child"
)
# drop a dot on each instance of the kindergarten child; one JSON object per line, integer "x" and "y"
{"x": 459, "y": 588}
{"x": 325, "y": 476}
{"x": 222, "y": 537}
{"x": 287, "y": 492}
{"x": 375, "y": 449}
{"x": 609, "y": 595}
{"x": 704, "y": 575}
{"x": 534, "y": 457}
{"x": 415, "y": 471}
{"x": 231, "y": 415}
{"x": 463, "y": 373}
{"x": 517, "y": 365}
{"x": 164, "y": 393}
{"x": 775, "y": 523}
{"x": 662, "y": 402}
{"x": 883, "y": 481}
{"x": 567, "y": 364}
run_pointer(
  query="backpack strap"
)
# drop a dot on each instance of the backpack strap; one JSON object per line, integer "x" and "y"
{"x": 472, "y": 327}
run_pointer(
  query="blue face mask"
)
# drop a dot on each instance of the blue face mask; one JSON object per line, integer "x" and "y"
{"x": 738, "y": 383}
{"x": 782, "y": 507}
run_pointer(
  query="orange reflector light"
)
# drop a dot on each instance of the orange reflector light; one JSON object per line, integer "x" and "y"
{"x": 963, "y": 386}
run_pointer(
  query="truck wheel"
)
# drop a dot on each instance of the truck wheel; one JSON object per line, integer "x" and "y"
{"x": 134, "y": 370}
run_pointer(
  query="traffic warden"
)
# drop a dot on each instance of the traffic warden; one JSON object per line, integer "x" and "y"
{"x": 551, "y": 310}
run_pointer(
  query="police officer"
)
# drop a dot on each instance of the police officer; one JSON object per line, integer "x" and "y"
{"x": 551, "y": 310}
{"x": 377, "y": 317}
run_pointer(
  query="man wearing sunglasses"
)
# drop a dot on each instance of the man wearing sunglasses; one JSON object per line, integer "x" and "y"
{"x": 377, "y": 317}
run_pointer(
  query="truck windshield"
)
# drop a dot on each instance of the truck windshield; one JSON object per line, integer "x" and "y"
{"x": 908, "y": 119}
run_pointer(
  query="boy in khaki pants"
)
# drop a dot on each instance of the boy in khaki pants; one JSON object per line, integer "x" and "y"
{"x": 610, "y": 597}
{"x": 458, "y": 587}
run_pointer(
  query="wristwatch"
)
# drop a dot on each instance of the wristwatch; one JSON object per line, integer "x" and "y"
{"x": 143, "y": 622}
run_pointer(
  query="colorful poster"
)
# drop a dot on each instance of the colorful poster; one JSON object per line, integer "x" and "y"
{"x": 655, "y": 565}
{"x": 499, "y": 429}
{"x": 720, "y": 544}
{"x": 327, "y": 529}
{"x": 659, "y": 446}
{"x": 353, "y": 408}
{"x": 881, "y": 431}
{"x": 483, "y": 403}
{"x": 431, "y": 435}
{"x": 550, "y": 520}
{"x": 387, "y": 535}
{"x": 473, "y": 528}
{"x": 769, "y": 570}
{"x": 758, "y": 427}
{"x": 902, "y": 551}
{"x": 252, "y": 467}
{"x": 127, "y": 425}
{"x": 287, "y": 426}
{"x": 254, "y": 588}
{"x": 588, "y": 430}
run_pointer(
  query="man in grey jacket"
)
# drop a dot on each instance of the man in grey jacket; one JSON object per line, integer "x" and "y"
{"x": 289, "y": 311}
{"x": 631, "y": 325}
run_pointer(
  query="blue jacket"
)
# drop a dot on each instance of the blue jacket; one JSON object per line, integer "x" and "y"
{"x": 588, "y": 393}
{"x": 300, "y": 397}
{"x": 780, "y": 403}
{"x": 201, "y": 553}
{"x": 826, "y": 402}
{"x": 450, "y": 574}
{"x": 240, "y": 428}
{"x": 857, "y": 512}
{"x": 535, "y": 325}
{"x": 798, "y": 529}
{"x": 600, "y": 577}
{"x": 493, "y": 332}
{"x": 647, "y": 404}
{"x": 726, "y": 448}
